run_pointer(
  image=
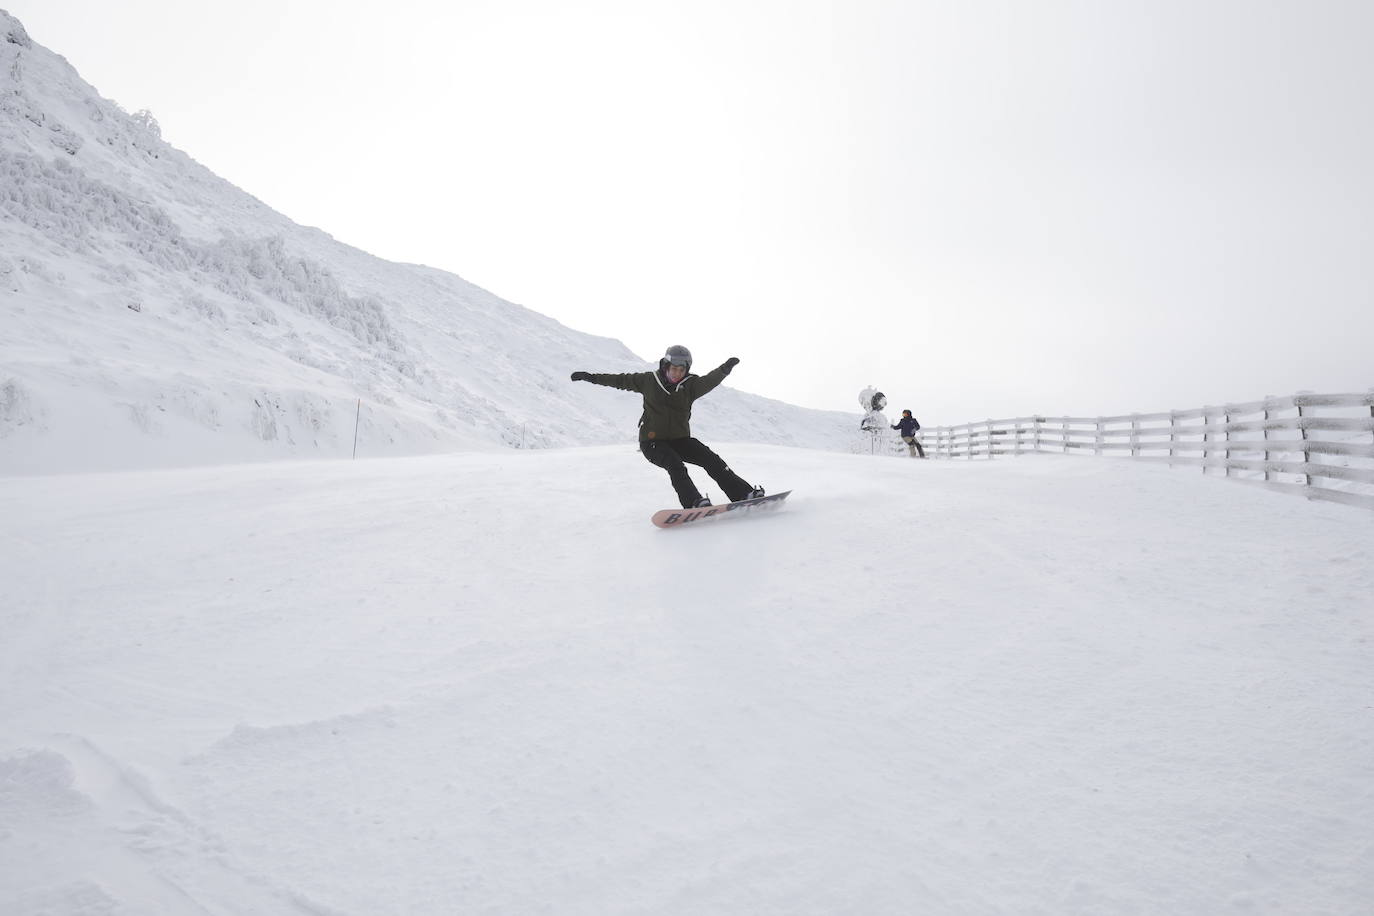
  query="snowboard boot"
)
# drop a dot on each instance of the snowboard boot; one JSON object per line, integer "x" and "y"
{"x": 702, "y": 503}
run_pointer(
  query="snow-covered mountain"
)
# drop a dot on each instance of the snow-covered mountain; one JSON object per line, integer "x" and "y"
{"x": 153, "y": 314}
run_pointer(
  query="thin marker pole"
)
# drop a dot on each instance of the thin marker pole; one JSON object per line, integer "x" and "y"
{"x": 356, "y": 418}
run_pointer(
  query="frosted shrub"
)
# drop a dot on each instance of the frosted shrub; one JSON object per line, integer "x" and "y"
{"x": 208, "y": 310}
{"x": 67, "y": 206}
{"x": 16, "y": 409}
{"x": 264, "y": 266}
{"x": 65, "y": 139}
{"x": 144, "y": 119}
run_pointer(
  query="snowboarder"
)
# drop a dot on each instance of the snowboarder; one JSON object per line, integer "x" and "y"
{"x": 908, "y": 426}
{"x": 665, "y": 435}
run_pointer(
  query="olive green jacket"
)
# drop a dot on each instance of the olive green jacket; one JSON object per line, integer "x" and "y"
{"x": 667, "y": 408}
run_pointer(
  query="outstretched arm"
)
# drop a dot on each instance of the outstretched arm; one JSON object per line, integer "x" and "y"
{"x": 710, "y": 380}
{"x": 625, "y": 381}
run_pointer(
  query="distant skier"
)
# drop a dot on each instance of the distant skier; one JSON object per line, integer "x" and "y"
{"x": 665, "y": 435}
{"x": 908, "y": 427}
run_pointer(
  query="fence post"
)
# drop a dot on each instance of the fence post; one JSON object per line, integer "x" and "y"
{"x": 1135, "y": 435}
{"x": 1097, "y": 445}
{"x": 1206, "y": 438}
{"x": 1306, "y": 455}
{"x": 989, "y": 439}
{"x": 1371, "y": 408}
{"x": 1066, "y": 435}
{"x": 1264, "y": 436}
{"x": 1226, "y": 440}
{"x": 1173, "y": 434}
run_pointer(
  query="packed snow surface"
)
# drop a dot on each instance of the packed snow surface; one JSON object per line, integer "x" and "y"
{"x": 483, "y": 683}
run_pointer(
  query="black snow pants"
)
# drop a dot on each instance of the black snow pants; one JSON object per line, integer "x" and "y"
{"x": 673, "y": 455}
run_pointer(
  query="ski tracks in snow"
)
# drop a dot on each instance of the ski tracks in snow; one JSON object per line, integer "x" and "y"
{"x": 84, "y": 835}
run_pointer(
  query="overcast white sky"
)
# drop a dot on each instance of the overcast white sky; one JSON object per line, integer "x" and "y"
{"x": 985, "y": 209}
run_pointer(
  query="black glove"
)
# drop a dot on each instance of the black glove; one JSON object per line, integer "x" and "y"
{"x": 731, "y": 363}
{"x": 581, "y": 376}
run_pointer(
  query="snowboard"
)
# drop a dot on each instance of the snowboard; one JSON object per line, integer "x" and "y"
{"x": 676, "y": 518}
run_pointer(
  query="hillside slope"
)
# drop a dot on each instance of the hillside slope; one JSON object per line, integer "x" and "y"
{"x": 155, "y": 315}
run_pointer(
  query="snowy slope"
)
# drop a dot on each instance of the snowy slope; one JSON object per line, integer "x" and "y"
{"x": 151, "y": 314}
{"x": 1050, "y": 685}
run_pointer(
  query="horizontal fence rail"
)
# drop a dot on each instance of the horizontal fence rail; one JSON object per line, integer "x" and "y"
{"x": 1317, "y": 445}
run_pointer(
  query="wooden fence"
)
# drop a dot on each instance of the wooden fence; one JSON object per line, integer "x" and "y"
{"x": 1317, "y": 445}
